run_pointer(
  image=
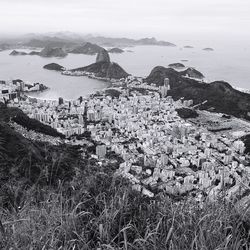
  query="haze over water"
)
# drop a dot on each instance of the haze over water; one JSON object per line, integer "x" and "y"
{"x": 229, "y": 61}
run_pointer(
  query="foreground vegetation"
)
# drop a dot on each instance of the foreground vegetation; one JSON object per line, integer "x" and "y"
{"x": 52, "y": 198}
{"x": 98, "y": 211}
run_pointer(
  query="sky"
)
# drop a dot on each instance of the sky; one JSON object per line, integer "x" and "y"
{"x": 131, "y": 18}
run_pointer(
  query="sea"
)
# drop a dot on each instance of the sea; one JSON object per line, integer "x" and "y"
{"x": 229, "y": 63}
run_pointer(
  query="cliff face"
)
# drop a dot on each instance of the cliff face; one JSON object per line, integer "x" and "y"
{"x": 220, "y": 96}
{"x": 103, "y": 56}
{"x": 52, "y": 52}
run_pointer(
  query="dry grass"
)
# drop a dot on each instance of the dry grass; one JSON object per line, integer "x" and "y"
{"x": 111, "y": 216}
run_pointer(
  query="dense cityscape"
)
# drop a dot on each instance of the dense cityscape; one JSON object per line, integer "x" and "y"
{"x": 161, "y": 152}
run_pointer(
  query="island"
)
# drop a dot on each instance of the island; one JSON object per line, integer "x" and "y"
{"x": 18, "y": 53}
{"x": 188, "y": 47}
{"x": 54, "y": 66}
{"x": 208, "y": 49}
{"x": 103, "y": 68}
{"x": 116, "y": 50}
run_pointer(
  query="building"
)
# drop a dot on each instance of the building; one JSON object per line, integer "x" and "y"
{"x": 101, "y": 151}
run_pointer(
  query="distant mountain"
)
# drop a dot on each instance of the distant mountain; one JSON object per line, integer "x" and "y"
{"x": 50, "y": 41}
{"x": 18, "y": 53}
{"x": 116, "y": 50}
{"x": 52, "y": 52}
{"x": 220, "y": 96}
{"x": 70, "y": 40}
{"x": 104, "y": 68}
{"x": 34, "y": 53}
{"x": 54, "y": 66}
{"x": 87, "y": 48}
{"x": 4, "y": 46}
{"x": 124, "y": 42}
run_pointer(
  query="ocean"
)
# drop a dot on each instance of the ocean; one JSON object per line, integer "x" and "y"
{"x": 228, "y": 63}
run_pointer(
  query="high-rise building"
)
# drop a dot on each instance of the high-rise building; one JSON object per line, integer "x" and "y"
{"x": 60, "y": 100}
{"x": 101, "y": 151}
{"x": 166, "y": 83}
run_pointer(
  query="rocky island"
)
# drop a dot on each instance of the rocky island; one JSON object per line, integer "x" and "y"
{"x": 116, "y": 50}
{"x": 54, "y": 66}
{"x": 102, "y": 68}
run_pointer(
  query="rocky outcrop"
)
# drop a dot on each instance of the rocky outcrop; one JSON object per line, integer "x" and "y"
{"x": 18, "y": 53}
{"x": 54, "y": 66}
{"x": 52, "y": 52}
{"x": 116, "y": 50}
{"x": 87, "y": 48}
{"x": 103, "y": 56}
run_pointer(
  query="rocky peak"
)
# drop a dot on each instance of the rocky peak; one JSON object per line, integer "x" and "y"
{"x": 103, "y": 56}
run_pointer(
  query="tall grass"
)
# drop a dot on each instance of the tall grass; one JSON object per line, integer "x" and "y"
{"x": 107, "y": 214}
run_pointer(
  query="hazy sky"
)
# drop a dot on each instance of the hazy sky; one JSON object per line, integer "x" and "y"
{"x": 133, "y": 18}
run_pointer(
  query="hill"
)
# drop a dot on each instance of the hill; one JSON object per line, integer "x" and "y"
{"x": 54, "y": 66}
{"x": 87, "y": 48}
{"x": 52, "y": 52}
{"x": 17, "y": 115}
{"x": 220, "y": 96}
{"x": 25, "y": 160}
{"x": 50, "y": 41}
{"x": 116, "y": 50}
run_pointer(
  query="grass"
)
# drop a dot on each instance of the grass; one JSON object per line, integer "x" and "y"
{"x": 107, "y": 214}
{"x": 93, "y": 209}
